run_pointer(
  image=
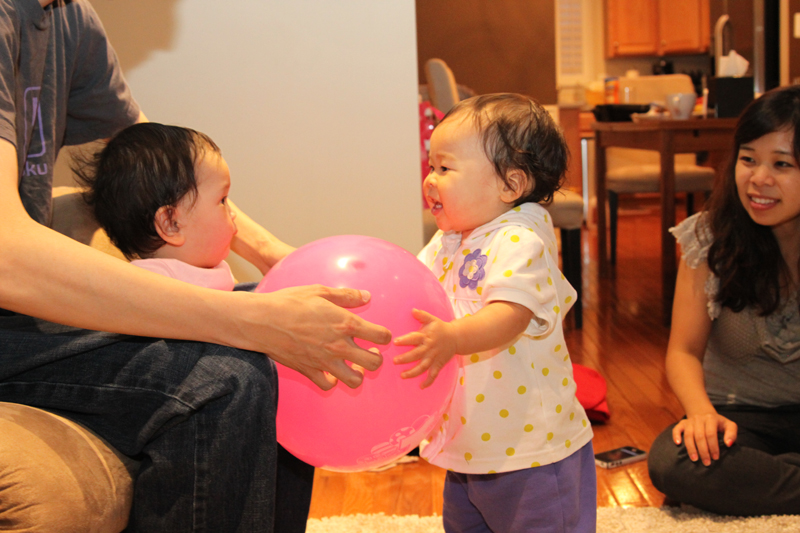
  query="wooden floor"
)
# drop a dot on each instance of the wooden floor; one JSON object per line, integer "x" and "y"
{"x": 623, "y": 338}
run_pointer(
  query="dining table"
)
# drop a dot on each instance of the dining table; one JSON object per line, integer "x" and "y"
{"x": 667, "y": 137}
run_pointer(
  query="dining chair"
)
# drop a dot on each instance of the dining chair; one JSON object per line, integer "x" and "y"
{"x": 631, "y": 171}
{"x": 441, "y": 84}
{"x": 566, "y": 210}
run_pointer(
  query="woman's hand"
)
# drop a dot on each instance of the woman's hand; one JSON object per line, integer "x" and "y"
{"x": 308, "y": 330}
{"x": 434, "y": 345}
{"x": 700, "y": 435}
{"x": 691, "y": 327}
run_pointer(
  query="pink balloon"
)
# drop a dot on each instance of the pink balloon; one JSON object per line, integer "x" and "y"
{"x": 348, "y": 429}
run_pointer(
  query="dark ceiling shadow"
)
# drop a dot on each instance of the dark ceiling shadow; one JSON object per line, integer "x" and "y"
{"x": 137, "y": 29}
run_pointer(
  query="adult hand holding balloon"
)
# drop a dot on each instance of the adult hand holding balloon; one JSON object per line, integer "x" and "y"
{"x": 315, "y": 334}
{"x": 387, "y": 416}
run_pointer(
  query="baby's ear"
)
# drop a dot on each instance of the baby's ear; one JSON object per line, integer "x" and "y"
{"x": 167, "y": 226}
{"x": 515, "y": 185}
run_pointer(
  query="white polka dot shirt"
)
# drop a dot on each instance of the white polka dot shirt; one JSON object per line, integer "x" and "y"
{"x": 514, "y": 407}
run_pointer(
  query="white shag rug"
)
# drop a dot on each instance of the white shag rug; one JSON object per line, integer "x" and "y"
{"x": 376, "y": 523}
{"x": 609, "y": 520}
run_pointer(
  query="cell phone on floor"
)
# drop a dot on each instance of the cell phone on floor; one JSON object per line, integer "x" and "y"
{"x": 619, "y": 456}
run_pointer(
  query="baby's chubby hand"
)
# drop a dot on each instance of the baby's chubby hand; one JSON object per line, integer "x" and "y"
{"x": 434, "y": 345}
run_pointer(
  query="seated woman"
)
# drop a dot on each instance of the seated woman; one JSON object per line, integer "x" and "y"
{"x": 733, "y": 358}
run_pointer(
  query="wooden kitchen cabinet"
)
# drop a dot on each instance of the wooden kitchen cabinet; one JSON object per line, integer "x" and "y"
{"x": 631, "y": 27}
{"x": 657, "y": 27}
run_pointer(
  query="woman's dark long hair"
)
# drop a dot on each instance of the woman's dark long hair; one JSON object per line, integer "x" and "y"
{"x": 745, "y": 256}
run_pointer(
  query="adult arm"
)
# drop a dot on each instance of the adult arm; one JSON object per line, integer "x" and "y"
{"x": 691, "y": 327}
{"x": 47, "y": 275}
{"x": 496, "y": 324}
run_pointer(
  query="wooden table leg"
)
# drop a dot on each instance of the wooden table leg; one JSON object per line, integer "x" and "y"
{"x": 669, "y": 267}
{"x": 600, "y": 195}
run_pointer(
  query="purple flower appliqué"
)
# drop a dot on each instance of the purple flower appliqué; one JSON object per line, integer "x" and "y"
{"x": 472, "y": 271}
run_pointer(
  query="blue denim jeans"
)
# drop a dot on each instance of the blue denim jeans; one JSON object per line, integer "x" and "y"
{"x": 200, "y": 419}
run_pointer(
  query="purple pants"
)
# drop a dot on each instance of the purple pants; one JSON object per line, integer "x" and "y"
{"x": 555, "y": 498}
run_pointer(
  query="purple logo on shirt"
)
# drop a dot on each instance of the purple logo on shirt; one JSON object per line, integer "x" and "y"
{"x": 33, "y": 122}
{"x": 36, "y": 146}
{"x": 472, "y": 270}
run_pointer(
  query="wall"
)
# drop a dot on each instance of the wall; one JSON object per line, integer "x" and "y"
{"x": 313, "y": 103}
{"x": 492, "y": 46}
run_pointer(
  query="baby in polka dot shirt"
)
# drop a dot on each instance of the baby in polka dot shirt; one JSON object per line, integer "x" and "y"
{"x": 515, "y": 440}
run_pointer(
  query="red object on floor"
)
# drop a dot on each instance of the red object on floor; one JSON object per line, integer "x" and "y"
{"x": 591, "y": 392}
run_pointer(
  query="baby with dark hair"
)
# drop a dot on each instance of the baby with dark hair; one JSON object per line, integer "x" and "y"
{"x": 515, "y": 440}
{"x": 161, "y": 194}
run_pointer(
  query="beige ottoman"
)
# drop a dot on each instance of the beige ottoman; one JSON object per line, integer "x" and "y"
{"x": 56, "y": 476}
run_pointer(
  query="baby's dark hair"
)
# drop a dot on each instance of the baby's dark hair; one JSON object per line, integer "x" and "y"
{"x": 518, "y": 134}
{"x": 142, "y": 168}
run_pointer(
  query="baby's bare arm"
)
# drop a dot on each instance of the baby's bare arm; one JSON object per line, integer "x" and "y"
{"x": 437, "y": 341}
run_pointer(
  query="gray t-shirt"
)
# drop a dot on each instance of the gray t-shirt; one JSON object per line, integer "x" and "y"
{"x": 750, "y": 360}
{"x": 60, "y": 84}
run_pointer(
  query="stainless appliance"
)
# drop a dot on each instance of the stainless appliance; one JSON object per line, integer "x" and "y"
{"x": 751, "y": 27}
